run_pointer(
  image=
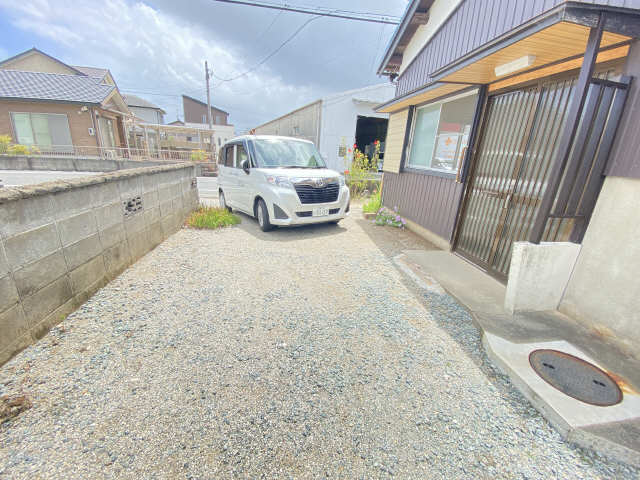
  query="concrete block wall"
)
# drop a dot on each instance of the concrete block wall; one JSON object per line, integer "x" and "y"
{"x": 62, "y": 241}
{"x": 73, "y": 164}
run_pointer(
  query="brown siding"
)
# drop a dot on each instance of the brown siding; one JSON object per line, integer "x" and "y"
{"x": 473, "y": 24}
{"x": 79, "y": 123}
{"x": 624, "y": 160}
{"x": 194, "y": 110}
{"x": 431, "y": 202}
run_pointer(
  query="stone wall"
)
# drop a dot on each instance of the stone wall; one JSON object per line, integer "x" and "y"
{"x": 62, "y": 241}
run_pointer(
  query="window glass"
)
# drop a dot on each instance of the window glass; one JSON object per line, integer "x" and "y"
{"x": 287, "y": 153}
{"x": 228, "y": 160}
{"x": 441, "y": 134}
{"x": 424, "y": 136}
{"x": 40, "y": 127}
{"x": 106, "y": 132}
{"x": 22, "y": 126}
{"x": 59, "y": 131}
{"x": 241, "y": 155}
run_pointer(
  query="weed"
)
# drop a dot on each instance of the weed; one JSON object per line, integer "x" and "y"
{"x": 212, "y": 218}
{"x": 373, "y": 204}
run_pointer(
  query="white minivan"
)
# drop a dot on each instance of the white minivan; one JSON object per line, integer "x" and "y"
{"x": 280, "y": 181}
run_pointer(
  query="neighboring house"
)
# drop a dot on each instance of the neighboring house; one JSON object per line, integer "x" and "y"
{"x": 144, "y": 109}
{"x": 509, "y": 125}
{"x": 195, "y": 111}
{"x": 54, "y": 106}
{"x": 335, "y": 122}
{"x": 201, "y": 134}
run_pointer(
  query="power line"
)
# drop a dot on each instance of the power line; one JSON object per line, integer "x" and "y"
{"x": 265, "y": 59}
{"x": 324, "y": 12}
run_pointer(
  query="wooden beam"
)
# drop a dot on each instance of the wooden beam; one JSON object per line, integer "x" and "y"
{"x": 568, "y": 134}
{"x": 395, "y": 60}
{"x": 420, "y": 18}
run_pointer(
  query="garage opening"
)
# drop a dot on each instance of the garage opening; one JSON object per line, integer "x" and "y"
{"x": 368, "y": 130}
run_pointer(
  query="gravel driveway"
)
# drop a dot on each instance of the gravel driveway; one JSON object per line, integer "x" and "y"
{"x": 301, "y": 353}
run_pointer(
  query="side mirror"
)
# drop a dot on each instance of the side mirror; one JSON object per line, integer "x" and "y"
{"x": 245, "y": 166}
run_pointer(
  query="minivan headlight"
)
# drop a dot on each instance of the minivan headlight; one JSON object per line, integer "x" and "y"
{"x": 279, "y": 181}
{"x": 341, "y": 180}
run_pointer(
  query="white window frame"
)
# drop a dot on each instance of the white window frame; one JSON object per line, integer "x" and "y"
{"x": 440, "y": 103}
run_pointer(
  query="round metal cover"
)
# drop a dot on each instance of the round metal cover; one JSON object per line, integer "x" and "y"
{"x": 575, "y": 377}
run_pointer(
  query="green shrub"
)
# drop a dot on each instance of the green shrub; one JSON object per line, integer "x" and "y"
{"x": 198, "y": 156}
{"x": 374, "y": 203}
{"x": 5, "y": 141}
{"x": 18, "y": 149}
{"x": 212, "y": 218}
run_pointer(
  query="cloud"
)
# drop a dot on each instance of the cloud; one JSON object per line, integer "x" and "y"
{"x": 157, "y": 51}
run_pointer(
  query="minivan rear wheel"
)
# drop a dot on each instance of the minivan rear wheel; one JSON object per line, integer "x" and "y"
{"x": 223, "y": 201}
{"x": 262, "y": 213}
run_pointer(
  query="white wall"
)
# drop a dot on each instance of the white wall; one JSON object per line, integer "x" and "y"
{"x": 148, "y": 115}
{"x": 340, "y": 115}
{"x": 439, "y": 12}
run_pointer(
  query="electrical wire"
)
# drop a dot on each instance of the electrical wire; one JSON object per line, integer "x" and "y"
{"x": 265, "y": 59}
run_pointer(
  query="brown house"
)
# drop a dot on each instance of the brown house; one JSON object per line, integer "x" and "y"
{"x": 195, "y": 111}
{"x": 57, "y": 107}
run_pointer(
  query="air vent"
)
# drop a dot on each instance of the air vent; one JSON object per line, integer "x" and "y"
{"x": 132, "y": 206}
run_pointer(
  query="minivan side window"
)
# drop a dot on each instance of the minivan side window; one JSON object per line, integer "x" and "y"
{"x": 228, "y": 160}
{"x": 241, "y": 155}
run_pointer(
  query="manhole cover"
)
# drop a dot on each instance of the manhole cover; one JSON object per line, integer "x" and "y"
{"x": 575, "y": 377}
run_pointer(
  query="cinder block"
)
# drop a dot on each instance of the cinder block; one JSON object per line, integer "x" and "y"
{"x": 130, "y": 187}
{"x": 151, "y": 215}
{"x": 170, "y": 224}
{"x": 46, "y": 300}
{"x": 8, "y": 292}
{"x": 109, "y": 214}
{"x": 112, "y": 235}
{"x": 13, "y": 324}
{"x": 134, "y": 223}
{"x": 36, "y": 275}
{"x": 72, "y": 201}
{"x": 77, "y": 227}
{"x": 166, "y": 208}
{"x": 52, "y": 319}
{"x": 4, "y": 264}
{"x": 169, "y": 191}
{"x": 139, "y": 244}
{"x": 150, "y": 199}
{"x": 150, "y": 183}
{"x": 117, "y": 258}
{"x": 104, "y": 193}
{"x": 58, "y": 164}
{"x": 81, "y": 251}
{"x": 156, "y": 235}
{"x": 19, "y": 216}
{"x": 32, "y": 245}
{"x": 83, "y": 277}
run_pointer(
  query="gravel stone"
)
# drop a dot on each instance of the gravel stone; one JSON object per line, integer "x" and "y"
{"x": 298, "y": 353}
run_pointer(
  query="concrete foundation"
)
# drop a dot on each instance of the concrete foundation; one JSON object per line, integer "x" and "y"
{"x": 61, "y": 241}
{"x": 538, "y": 275}
{"x": 74, "y": 164}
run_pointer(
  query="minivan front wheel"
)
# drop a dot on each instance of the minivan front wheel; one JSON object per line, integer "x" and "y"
{"x": 262, "y": 213}
{"x": 223, "y": 201}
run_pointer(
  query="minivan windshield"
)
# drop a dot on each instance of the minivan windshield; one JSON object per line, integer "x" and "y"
{"x": 285, "y": 153}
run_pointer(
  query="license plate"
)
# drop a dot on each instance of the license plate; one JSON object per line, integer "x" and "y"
{"x": 320, "y": 212}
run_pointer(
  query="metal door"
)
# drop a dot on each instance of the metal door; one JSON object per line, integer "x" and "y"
{"x": 511, "y": 165}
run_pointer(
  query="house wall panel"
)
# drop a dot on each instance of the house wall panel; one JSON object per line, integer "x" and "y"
{"x": 79, "y": 122}
{"x": 301, "y": 123}
{"x": 427, "y": 200}
{"x": 623, "y": 159}
{"x": 194, "y": 110}
{"x": 395, "y": 141}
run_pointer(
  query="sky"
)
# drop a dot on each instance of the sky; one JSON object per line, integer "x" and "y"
{"x": 156, "y": 49}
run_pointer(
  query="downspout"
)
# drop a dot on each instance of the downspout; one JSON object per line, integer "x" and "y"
{"x": 98, "y": 131}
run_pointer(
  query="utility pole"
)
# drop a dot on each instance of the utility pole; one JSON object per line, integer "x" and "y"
{"x": 206, "y": 70}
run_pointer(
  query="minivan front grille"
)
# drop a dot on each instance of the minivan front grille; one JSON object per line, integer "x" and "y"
{"x": 308, "y": 194}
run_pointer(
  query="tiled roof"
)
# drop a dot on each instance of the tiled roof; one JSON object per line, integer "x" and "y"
{"x": 93, "y": 71}
{"x": 135, "y": 101}
{"x": 52, "y": 87}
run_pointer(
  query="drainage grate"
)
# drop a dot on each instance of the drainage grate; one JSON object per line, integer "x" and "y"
{"x": 575, "y": 377}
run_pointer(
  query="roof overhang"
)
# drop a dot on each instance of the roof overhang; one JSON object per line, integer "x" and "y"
{"x": 416, "y": 14}
{"x": 429, "y": 93}
{"x": 556, "y": 40}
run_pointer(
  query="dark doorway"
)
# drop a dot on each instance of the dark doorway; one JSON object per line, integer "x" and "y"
{"x": 368, "y": 130}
